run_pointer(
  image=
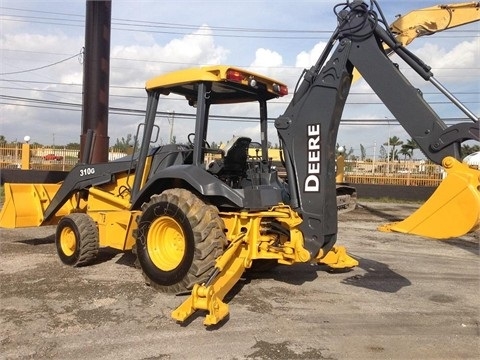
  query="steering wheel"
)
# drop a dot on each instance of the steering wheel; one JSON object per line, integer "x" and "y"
{"x": 191, "y": 138}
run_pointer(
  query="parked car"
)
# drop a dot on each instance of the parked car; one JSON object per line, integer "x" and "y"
{"x": 51, "y": 157}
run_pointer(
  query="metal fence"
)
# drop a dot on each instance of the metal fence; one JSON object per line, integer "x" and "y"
{"x": 409, "y": 172}
{"x": 26, "y": 156}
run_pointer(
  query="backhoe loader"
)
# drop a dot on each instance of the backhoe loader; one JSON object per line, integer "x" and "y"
{"x": 430, "y": 20}
{"x": 196, "y": 226}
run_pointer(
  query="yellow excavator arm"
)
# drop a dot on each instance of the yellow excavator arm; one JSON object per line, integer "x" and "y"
{"x": 429, "y": 20}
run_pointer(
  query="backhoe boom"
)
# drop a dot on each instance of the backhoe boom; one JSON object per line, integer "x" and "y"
{"x": 430, "y": 20}
{"x": 309, "y": 126}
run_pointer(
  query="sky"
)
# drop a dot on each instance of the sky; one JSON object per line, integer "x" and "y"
{"x": 41, "y": 69}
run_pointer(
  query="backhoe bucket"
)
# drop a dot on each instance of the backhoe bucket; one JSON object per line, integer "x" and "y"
{"x": 25, "y": 205}
{"x": 453, "y": 210}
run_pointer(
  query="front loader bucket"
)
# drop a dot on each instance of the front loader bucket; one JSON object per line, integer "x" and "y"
{"x": 25, "y": 205}
{"x": 453, "y": 210}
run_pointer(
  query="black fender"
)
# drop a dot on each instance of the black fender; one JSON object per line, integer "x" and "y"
{"x": 193, "y": 178}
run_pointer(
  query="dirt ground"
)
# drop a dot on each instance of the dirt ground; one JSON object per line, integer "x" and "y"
{"x": 410, "y": 298}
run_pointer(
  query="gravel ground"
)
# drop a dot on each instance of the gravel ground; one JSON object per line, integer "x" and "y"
{"x": 410, "y": 298}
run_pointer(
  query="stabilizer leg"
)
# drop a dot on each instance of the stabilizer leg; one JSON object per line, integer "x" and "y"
{"x": 249, "y": 245}
{"x": 337, "y": 258}
{"x": 209, "y": 296}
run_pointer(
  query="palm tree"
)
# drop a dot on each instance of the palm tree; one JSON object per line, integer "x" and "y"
{"x": 363, "y": 152}
{"x": 383, "y": 153}
{"x": 410, "y": 146}
{"x": 467, "y": 149}
{"x": 406, "y": 152}
{"x": 393, "y": 141}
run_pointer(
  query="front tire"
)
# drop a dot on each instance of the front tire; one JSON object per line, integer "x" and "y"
{"x": 178, "y": 240}
{"x": 76, "y": 240}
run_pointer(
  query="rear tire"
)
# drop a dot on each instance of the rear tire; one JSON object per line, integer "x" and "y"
{"x": 178, "y": 239}
{"x": 76, "y": 240}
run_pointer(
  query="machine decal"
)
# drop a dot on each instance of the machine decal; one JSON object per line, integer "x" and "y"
{"x": 87, "y": 171}
{"x": 312, "y": 182}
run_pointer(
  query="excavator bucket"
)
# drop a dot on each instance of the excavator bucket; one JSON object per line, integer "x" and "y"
{"x": 25, "y": 205}
{"x": 453, "y": 210}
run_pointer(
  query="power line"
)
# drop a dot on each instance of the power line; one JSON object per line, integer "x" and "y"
{"x": 41, "y": 11}
{"x": 186, "y": 29}
{"x": 57, "y": 105}
{"x": 41, "y": 67}
{"x": 142, "y": 88}
{"x": 276, "y": 102}
{"x": 169, "y": 25}
{"x": 290, "y": 67}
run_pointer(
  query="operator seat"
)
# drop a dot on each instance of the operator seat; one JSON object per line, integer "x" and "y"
{"x": 236, "y": 155}
{"x": 234, "y": 163}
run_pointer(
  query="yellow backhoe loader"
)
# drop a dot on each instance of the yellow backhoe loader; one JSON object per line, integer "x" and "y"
{"x": 430, "y": 20}
{"x": 197, "y": 225}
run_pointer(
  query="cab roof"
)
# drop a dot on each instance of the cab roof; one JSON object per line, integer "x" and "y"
{"x": 229, "y": 84}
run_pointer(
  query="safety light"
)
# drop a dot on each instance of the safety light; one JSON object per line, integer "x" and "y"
{"x": 234, "y": 75}
{"x": 282, "y": 90}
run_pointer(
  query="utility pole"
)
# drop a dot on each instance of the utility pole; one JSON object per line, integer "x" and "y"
{"x": 374, "y": 153}
{"x": 388, "y": 147}
{"x": 171, "y": 125}
{"x": 96, "y": 78}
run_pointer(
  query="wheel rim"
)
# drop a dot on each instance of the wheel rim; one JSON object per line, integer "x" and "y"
{"x": 166, "y": 243}
{"x": 68, "y": 241}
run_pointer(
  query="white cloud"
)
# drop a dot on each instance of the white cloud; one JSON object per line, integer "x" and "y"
{"x": 267, "y": 58}
{"x": 270, "y": 63}
{"x": 196, "y": 48}
{"x": 72, "y": 78}
{"x": 308, "y": 58}
{"x": 34, "y": 42}
{"x": 447, "y": 61}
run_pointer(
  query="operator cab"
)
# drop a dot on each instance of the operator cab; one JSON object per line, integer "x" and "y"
{"x": 206, "y": 86}
{"x": 216, "y": 85}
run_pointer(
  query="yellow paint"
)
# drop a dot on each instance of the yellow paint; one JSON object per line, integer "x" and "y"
{"x": 68, "y": 241}
{"x": 26, "y": 156}
{"x": 453, "y": 209}
{"x": 25, "y": 204}
{"x": 166, "y": 243}
{"x": 250, "y": 239}
{"x": 175, "y": 80}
